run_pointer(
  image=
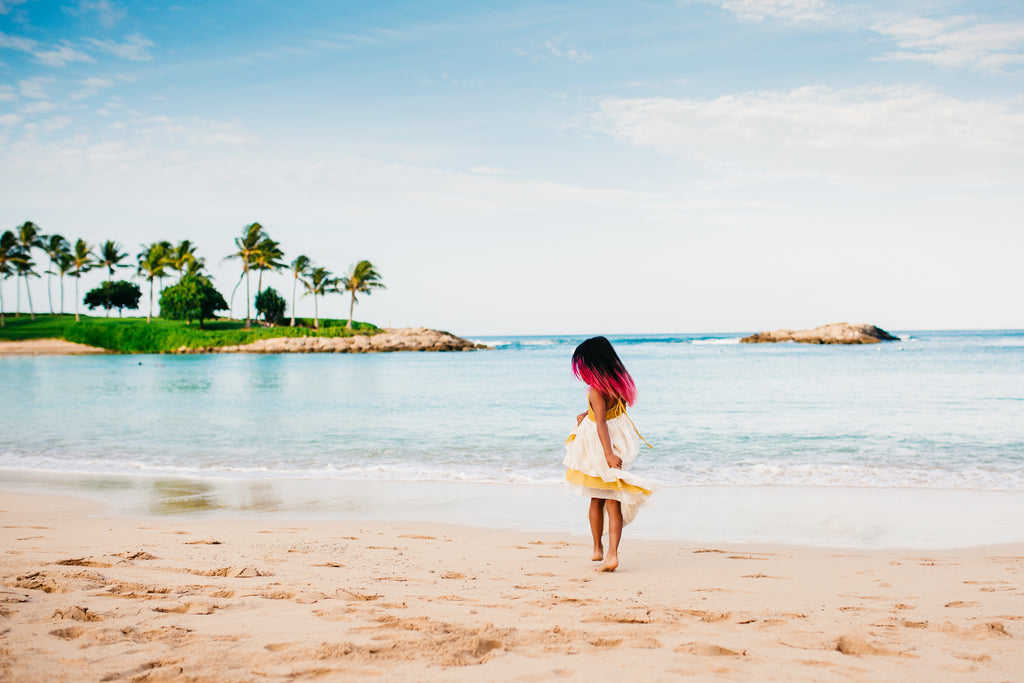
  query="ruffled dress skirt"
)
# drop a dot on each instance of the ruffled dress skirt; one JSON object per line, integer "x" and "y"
{"x": 588, "y": 473}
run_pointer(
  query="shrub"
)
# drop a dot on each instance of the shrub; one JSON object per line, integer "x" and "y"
{"x": 270, "y": 305}
{"x": 119, "y": 294}
{"x": 193, "y": 298}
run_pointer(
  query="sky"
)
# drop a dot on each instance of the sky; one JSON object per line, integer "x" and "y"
{"x": 542, "y": 167}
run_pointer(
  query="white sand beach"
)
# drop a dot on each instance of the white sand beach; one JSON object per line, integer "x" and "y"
{"x": 96, "y": 597}
{"x": 46, "y": 347}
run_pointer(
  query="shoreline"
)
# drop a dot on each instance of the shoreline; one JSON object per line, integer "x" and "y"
{"x": 811, "y": 517}
{"x": 391, "y": 340}
{"x": 237, "y": 599}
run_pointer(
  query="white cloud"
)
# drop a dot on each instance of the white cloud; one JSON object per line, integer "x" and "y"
{"x": 864, "y": 136}
{"x": 955, "y": 42}
{"x": 16, "y": 43}
{"x": 7, "y": 5}
{"x": 60, "y": 55}
{"x": 786, "y": 10}
{"x": 7, "y": 94}
{"x": 554, "y": 49}
{"x": 9, "y": 119}
{"x": 35, "y": 87}
{"x": 91, "y": 86}
{"x": 570, "y": 52}
{"x": 135, "y": 47}
{"x": 107, "y": 13}
{"x": 38, "y": 107}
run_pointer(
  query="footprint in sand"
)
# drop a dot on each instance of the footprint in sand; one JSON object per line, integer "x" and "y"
{"x": 69, "y": 633}
{"x": 709, "y": 650}
{"x": 857, "y": 646}
{"x": 83, "y": 562}
{"x": 76, "y": 613}
{"x": 38, "y": 581}
{"x": 188, "y": 608}
{"x": 233, "y": 572}
{"x": 605, "y": 643}
{"x": 137, "y": 555}
{"x": 960, "y": 603}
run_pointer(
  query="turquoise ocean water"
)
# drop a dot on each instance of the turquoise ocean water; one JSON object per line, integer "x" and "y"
{"x": 937, "y": 418}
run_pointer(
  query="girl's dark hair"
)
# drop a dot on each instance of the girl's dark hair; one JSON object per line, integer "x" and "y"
{"x": 596, "y": 363}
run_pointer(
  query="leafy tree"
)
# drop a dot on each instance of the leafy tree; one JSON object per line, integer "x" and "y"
{"x": 270, "y": 305}
{"x": 300, "y": 267}
{"x": 248, "y": 246}
{"x": 119, "y": 294}
{"x": 10, "y": 255}
{"x": 193, "y": 298}
{"x": 29, "y": 237}
{"x": 320, "y": 282}
{"x": 110, "y": 257}
{"x": 153, "y": 262}
{"x": 81, "y": 262}
{"x": 362, "y": 278}
{"x": 55, "y": 246}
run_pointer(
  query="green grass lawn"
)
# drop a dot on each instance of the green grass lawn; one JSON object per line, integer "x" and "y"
{"x": 44, "y": 327}
{"x": 134, "y": 335}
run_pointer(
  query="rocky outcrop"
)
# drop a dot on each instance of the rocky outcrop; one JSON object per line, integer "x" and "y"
{"x": 836, "y": 333}
{"x": 405, "y": 339}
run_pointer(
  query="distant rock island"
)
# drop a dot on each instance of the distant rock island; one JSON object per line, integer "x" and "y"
{"x": 836, "y": 333}
{"x": 403, "y": 339}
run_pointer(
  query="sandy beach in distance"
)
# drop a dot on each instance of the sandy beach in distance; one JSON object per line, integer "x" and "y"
{"x": 46, "y": 347}
{"x": 264, "y": 598}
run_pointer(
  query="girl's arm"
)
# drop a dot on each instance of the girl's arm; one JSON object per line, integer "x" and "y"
{"x": 597, "y": 402}
{"x": 580, "y": 418}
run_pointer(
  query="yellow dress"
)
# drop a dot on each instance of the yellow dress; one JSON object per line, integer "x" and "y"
{"x": 587, "y": 471}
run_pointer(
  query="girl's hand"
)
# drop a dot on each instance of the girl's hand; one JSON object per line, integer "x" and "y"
{"x": 580, "y": 418}
{"x": 614, "y": 461}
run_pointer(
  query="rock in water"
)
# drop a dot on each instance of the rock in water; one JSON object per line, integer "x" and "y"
{"x": 836, "y": 333}
{"x": 402, "y": 339}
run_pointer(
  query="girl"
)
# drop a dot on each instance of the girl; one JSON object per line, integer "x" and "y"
{"x": 603, "y": 443}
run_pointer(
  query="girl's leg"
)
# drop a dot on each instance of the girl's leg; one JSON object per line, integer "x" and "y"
{"x": 597, "y": 527}
{"x": 611, "y": 561}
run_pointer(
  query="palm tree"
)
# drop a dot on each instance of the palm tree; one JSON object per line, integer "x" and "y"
{"x": 10, "y": 255}
{"x": 81, "y": 262}
{"x": 319, "y": 283}
{"x": 179, "y": 257}
{"x": 54, "y": 245}
{"x": 29, "y": 237}
{"x": 194, "y": 268}
{"x": 110, "y": 258}
{"x": 267, "y": 257}
{"x": 363, "y": 278}
{"x": 25, "y": 268}
{"x": 168, "y": 248}
{"x": 248, "y": 245}
{"x": 300, "y": 267}
{"x": 152, "y": 262}
{"x": 65, "y": 263}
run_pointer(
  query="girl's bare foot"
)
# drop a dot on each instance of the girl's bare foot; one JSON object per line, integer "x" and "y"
{"x": 610, "y": 564}
{"x": 598, "y": 554}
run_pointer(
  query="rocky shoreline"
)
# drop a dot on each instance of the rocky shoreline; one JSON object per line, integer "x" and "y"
{"x": 835, "y": 333}
{"x": 402, "y": 339}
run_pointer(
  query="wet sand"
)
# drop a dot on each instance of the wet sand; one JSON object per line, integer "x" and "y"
{"x": 194, "y": 597}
